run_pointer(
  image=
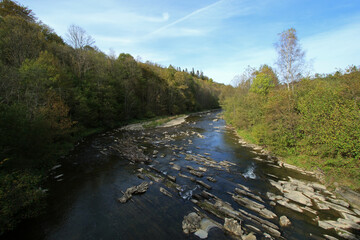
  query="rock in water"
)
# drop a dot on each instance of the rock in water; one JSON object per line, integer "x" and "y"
{"x": 284, "y": 221}
{"x": 191, "y": 223}
{"x": 233, "y": 226}
{"x": 141, "y": 188}
{"x": 201, "y": 234}
{"x": 250, "y": 236}
{"x": 165, "y": 192}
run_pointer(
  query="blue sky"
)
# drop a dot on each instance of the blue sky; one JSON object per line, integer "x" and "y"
{"x": 221, "y": 38}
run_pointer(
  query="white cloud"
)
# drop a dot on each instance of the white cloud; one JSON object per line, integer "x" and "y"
{"x": 159, "y": 30}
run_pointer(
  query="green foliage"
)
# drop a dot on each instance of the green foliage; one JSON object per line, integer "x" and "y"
{"x": 328, "y": 119}
{"x": 319, "y": 120}
{"x": 262, "y": 84}
{"x": 52, "y": 93}
{"x": 20, "y": 197}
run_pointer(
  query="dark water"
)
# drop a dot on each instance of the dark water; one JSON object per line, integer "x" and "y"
{"x": 83, "y": 203}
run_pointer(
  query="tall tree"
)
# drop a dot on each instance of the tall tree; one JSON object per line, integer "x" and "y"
{"x": 78, "y": 38}
{"x": 82, "y": 44}
{"x": 290, "y": 56}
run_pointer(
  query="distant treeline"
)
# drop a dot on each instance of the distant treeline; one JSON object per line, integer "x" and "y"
{"x": 51, "y": 92}
{"x": 315, "y": 123}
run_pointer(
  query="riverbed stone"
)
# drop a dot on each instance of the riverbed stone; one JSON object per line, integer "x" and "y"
{"x": 247, "y": 202}
{"x": 351, "y": 196}
{"x": 203, "y": 184}
{"x": 277, "y": 185}
{"x": 205, "y": 226}
{"x": 233, "y": 226}
{"x": 211, "y": 179}
{"x": 298, "y": 197}
{"x": 191, "y": 223}
{"x": 271, "y": 230}
{"x": 348, "y": 223}
{"x": 338, "y": 202}
{"x": 196, "y": 173}
{"x": 201, "y": 234}
{"x": 256, "y": 219}
{"x": 141, "y": 188}
{"x": 321, "y": 205}
{"x": 350, "y": 217}
{"x": 314, "y": 196}
{"x": 339, "y": 208}
{"x": 347, "y": 235}
{"x": 330, "y": 237}
{"x": 325, "y": 225}
{"x": 290, "y": 205}
{"x": 357, "y": 211}
{"x": 249, "y": 236}
{"x": 252, "y": 228}
{"x": 284, "y": 221}
{"x": 176, "y": 167}
{"x": 310, "y": 210}
{"x": 165, "y": 192}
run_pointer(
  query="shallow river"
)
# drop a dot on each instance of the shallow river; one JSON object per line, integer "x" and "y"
{"x": 83, "y": 202}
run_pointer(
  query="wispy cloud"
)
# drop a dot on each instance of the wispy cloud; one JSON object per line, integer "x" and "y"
{"x": 198, "y": 11}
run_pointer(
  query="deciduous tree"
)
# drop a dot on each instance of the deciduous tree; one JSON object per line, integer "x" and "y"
{"x": 290, "y": 56}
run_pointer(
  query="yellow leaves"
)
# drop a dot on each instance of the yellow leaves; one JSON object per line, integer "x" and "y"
{"x": 56, "y": 112}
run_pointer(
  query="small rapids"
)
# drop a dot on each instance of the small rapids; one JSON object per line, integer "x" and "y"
{"x": 249, "y": 173}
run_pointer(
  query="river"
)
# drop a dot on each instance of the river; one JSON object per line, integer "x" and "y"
{"x": 84, "y": 189}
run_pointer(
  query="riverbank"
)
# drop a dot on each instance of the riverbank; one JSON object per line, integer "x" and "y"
{"x": 167, "y": 121}
{"x": 338, "y": 183}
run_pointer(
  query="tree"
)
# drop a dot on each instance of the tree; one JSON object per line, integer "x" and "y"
{"x": 11, "y": 8}
{"x": 290, "y": 56}
{"x": 262, "y": 84}
{"x": 265, "y": 79}
{"x": 82, "y": 44}
{"x": 19, "y": 40}
{"x": 78, "y": 38}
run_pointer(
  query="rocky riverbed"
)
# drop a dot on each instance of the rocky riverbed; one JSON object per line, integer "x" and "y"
{"x": 195, "y": 179}
{"x": 296, "y": 197}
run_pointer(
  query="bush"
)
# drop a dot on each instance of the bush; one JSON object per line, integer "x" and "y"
{"x": 20, "y": 198}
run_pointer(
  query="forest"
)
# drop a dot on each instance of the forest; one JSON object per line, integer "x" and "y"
{"x": 312, "y": 123}
{"x": 54, "y": 92}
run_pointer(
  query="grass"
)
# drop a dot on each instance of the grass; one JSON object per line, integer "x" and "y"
{"x": 246, "y": 135}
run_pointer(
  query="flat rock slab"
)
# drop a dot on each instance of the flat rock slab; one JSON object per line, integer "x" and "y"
{"x": 298, "y": 197}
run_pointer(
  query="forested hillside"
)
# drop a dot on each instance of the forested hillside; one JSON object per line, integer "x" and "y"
{"x": 52, "y": 92}
{"x": 313, "y": 124}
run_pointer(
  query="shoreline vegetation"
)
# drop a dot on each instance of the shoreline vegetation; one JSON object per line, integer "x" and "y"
{"x": 54, "y": 92}
{"x": 314, "y": 126}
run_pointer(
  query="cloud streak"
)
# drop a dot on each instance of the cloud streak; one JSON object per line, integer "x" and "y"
{"x": 159, "y": 30}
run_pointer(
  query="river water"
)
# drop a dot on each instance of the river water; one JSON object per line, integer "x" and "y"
{"x": 83, "y": 191}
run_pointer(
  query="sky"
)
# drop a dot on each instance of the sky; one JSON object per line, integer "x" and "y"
{"x": 219, "y": 37}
